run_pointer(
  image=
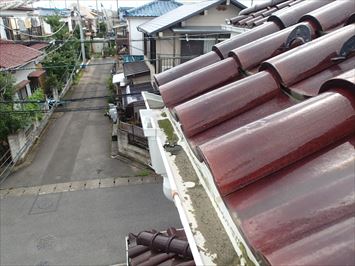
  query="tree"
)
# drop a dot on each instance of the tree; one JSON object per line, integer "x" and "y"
{"x": 56, "y": 24}
{"x": 10, "y": 123}
{"x": 102, "y": 29}
{"x": 61, "y": 62}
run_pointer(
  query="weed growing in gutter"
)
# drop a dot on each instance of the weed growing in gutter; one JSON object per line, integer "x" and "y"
{"x": 168, "y": 129}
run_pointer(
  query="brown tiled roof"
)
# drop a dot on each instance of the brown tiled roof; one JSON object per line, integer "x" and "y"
{"x": 150, "y": 248}
{"x": 36, "y": 73}
{"x": 13, "y": 55}
{"x": 134, "y": 69}
{"x": 271, "y": 112}
{"x": 39, "y": 46}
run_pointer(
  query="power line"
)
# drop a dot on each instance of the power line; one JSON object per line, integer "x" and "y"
{"x": 73, "y": 99}
{"x": 31, "y": 35}
{"x": 170, "y": 37}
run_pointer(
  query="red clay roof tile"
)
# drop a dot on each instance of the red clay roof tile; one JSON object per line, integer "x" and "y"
{"x": 150, "y": 248}
{"x": 284, "y": 168}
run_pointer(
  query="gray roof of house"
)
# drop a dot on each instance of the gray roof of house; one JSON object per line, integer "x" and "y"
{"x": 152, "y": 9}
{"x": 180, "y": 14}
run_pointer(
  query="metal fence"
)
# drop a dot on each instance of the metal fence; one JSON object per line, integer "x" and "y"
{"x": 135, "y": 134}
{"x": 167, "y": 62}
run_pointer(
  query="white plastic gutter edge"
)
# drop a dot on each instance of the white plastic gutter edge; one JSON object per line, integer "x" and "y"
{"x": 178, "y": 204}
{"x": 202, "y": 171}
{"x": 185, "y": 223}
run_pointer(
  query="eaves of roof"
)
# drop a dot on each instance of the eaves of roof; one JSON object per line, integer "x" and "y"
{"x": 178, "y": 15}
{"x": 271, "y": 114}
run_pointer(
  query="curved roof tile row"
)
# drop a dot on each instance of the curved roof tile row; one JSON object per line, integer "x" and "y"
{"x": 271, "y": 112}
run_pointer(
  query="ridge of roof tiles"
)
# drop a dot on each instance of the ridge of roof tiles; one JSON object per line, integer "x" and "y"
{"x": 150, "y": 248}
{"x": 153, "y": 9}
{"x": 274, "y": 121}
{"x": 14, "y": 55}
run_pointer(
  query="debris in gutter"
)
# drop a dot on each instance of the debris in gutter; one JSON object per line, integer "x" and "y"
{"x": 168, "y": 129}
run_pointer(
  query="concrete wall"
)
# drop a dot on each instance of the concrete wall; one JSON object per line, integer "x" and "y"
{"x": 131, "y": 151}
{"x": 136, "y": 37}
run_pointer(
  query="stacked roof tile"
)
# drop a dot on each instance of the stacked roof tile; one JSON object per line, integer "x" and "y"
{"x": 271, "y": 112}
{"x": 153, "y": 9}
{"x": 159, "y": 248}
{"x": 258, "y": 14}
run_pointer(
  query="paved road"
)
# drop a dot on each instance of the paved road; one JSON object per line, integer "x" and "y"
{"x": 76, "y": 145}
{"x": 83, "y": 227}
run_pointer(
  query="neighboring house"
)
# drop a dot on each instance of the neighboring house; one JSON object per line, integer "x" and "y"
{"x": 142, "y": 14}
{"x": 64, "y": 13}
{"x": 17, "y": 56}
{"x": 18, "y": 23}
{"x": 130, "y": 84}
{"x": 260, "y": 135}
{"x": 187, "y": 32}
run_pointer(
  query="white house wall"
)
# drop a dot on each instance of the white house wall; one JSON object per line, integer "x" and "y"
{"x": 213, "y": 17}
{"x": 165, "y": 47}
{"x": 136, "y": 44}
{"x": 21, "y": 75}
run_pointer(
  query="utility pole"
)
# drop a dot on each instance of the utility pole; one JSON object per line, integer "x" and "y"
{"x": 81, "y": 36}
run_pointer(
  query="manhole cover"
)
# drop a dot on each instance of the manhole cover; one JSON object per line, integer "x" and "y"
{"x": 45, "y": 242}
{"x": 45, "y": 203}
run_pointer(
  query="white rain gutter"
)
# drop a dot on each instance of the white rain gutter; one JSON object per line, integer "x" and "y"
{"x": 150, "y": 128}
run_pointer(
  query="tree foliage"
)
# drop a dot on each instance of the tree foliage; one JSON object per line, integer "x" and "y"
{"x": 9, "y": 122}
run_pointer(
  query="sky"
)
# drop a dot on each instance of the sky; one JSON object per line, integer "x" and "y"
{"x": 108, "y": 4}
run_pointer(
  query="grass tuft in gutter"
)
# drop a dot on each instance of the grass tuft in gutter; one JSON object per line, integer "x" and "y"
{"x": 245, "y": 256}
{"x": 168, "y": 129}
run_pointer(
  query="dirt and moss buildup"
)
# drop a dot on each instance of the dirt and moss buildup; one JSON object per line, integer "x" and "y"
{"x": 168, "y": 129}
{"x": 208, "y": 223}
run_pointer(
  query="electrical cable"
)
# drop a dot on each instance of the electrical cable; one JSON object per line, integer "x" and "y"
{"x": 73, "y": 99}
{"x": 35, "y": 36}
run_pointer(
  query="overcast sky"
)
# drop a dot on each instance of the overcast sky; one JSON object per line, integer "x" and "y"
{"x": 109, "y": 4}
